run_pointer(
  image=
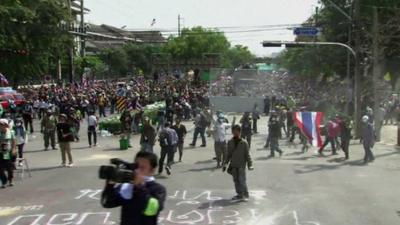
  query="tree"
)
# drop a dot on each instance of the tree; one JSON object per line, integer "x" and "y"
{"x": 237, "y": 55}
{"x": 140, "y": 56}
{"x": 116, "y": 60}
{"x": 94, "y": 63}
{"x": 194, "y": 43}
{"x": 33, "y": 28}
{"x": 329, "y": 61}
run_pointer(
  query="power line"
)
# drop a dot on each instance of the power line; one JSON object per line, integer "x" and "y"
{"x": 172, "y": 30}
{"x": 224, "y": 32}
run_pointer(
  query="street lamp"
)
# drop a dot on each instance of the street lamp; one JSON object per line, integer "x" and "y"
{"x": 291, "y": 44}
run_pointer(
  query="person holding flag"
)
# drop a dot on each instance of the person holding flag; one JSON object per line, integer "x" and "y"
{"x": 331, "y": 133}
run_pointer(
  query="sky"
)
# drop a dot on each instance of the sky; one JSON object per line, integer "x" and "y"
{"x": 251, "y": 19}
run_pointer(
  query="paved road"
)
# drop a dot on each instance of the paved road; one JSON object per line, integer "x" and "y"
{"x": 297, "y": 189}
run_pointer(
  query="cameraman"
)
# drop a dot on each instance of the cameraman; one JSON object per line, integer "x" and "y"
{"x": 142, "y": 199}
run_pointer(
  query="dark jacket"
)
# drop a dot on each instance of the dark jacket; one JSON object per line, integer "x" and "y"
{"x": 180, "y": 131}
{"x": 64, "y": 129}
{"x": 345, "y": 133}
{"x": 133, "y": 208}
{"x": 126, "y": 121}
{"x": 368, "y": 134}
{"x": 274, "y": 129}
{"x": 148, "y": 135}
{"x": 238, "y": 154}
{"x": 246, "y": 125}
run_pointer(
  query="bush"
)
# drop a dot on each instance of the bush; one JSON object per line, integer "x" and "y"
{"x": 114, "y": 126}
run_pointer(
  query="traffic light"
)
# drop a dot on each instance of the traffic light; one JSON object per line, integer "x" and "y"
{"x": 13, "y": 52}
{"x": 22, "y": 52}
{"x": 272, "y": 44}
{"x": 282, "y": 44}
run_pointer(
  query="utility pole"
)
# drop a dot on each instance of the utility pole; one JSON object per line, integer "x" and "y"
{"x": 179, "y": 25}
{"x": 357, "y": 76}
{"x": 83, "y": 43}
{"x": 348, "y": 70}
{"x": 71, "y": 50}
{"x": 376, "y": 62}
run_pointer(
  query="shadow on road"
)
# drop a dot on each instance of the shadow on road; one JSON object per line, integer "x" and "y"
{"x": 301, "y": 158}
{"x": 340, "y": 162}
{"x": 81, "y": 148}
{"x": 204, "y": 169}
{"x": 294, "y": 154}
{"x": 265, "y": 158}
{"x": 35, "y": 151}
{"x": 45, "y": 168}
{"x": 205, "y": 161}
{"x": 111, "y": 149}
{"x": 337, "y": 160}
{"x": 218, "y": 203}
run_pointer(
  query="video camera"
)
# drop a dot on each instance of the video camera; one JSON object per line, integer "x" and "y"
{"x": 120, "y": 171}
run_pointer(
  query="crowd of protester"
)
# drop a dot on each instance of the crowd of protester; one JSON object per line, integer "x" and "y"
{"x": 62, "y": 109}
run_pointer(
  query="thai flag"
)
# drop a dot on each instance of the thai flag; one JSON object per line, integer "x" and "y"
{"x": 3, "y": 80}
{"x": 309, "y": 123}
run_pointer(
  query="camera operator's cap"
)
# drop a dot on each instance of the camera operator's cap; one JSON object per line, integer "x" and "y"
{"x": 4, "y": 122}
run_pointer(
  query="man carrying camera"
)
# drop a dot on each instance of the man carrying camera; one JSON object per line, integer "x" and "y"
{"x": 142, "y": 199}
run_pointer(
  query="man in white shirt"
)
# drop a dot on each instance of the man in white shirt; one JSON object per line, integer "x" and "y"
{"x": 168, "y": 141}
{"x": 220, "y": 127}
{"x": 92, "y": 124}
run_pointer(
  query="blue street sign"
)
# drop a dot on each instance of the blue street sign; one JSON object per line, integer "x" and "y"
{"x": 306, "y": 31}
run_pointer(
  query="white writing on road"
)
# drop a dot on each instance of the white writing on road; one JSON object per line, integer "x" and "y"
{"x": 98, "y": 218}
{"x": 210, "y": 216}
{"x": 21, "y": 208}
{"x": 89, "y": 193}
{"x": 297, "y": 221}
{"x": 178, "y": 194}
{"x": 186, "y": 197}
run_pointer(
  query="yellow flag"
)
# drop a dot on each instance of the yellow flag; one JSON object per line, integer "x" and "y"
{"x": 387, "y": 77}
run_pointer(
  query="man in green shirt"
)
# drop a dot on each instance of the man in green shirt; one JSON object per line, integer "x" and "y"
{"x": 7, "y": 153}
{"x": 48, "y": 127}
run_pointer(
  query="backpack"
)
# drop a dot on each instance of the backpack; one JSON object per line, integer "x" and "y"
{"x": 246, "y": 125}
{"x": 203, "y": 121}
{"x": 165, "y": 139}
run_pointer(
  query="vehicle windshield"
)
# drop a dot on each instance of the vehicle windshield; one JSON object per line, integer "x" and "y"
{"x": 200, "y": 112}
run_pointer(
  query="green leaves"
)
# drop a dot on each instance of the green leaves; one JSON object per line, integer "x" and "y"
{"x": 194, "y": 43}
{"x": 32, "y": 25}
{"x": 237, "y": 55}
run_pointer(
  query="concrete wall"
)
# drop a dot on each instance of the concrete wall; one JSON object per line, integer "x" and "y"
{"x": 236, "y": 104}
